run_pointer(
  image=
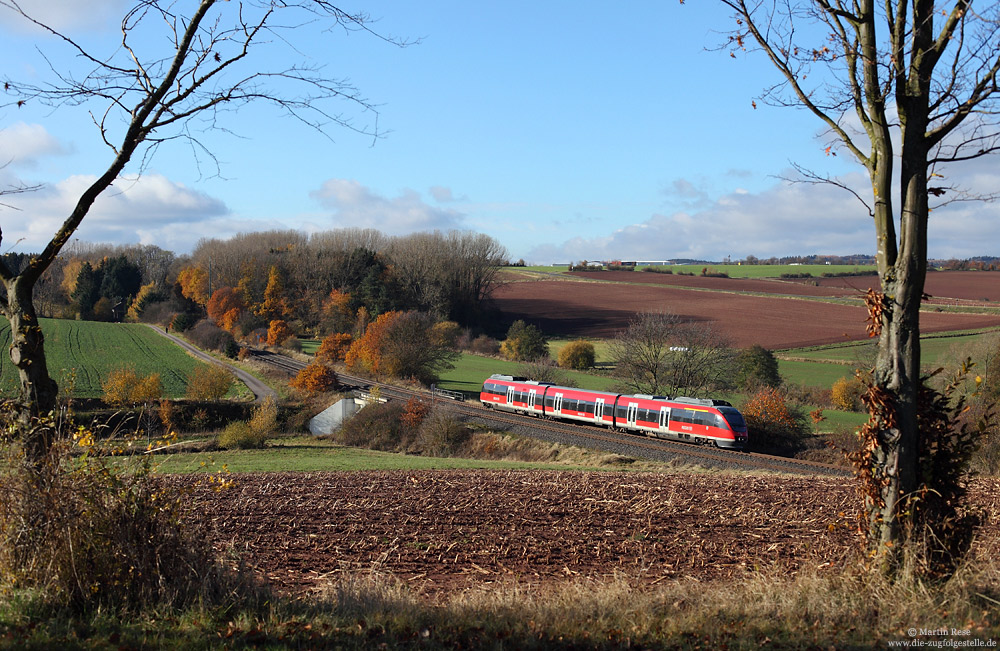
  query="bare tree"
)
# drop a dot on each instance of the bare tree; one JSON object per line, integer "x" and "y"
{"x": 213, "y": 60}
{"x": 912, "y": 81}
{"x": 660, "y": 353}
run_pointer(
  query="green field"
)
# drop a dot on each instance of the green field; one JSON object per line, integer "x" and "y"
{"x": 770, "y": 270}
{"x": 80, "y": 354}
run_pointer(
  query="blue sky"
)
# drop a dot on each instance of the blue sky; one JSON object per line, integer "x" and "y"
{"x": 566, "y": 130}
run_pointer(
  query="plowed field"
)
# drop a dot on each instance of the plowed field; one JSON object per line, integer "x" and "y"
{"x": 793, "y": 316}
{"x": 443, "y": 531}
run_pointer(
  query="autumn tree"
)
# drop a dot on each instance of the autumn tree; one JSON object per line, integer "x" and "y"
{"x": 171, "y": 74}
{"x": 276, "y": 304}
{"x": 277, "y": 332}
{"x": 913, "y": 82}
{"x": 400, "y": 344}
{"x": 333, "y": 348}
{"x": 193, "y": 282}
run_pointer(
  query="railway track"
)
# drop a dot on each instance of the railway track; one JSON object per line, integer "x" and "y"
{"x": 581, "y": 434}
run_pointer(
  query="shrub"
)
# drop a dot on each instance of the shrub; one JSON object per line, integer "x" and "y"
{"x": 484, "y": 345}
{"x": 183, "y": 322}
{"x": 209, "y": 336}
{"x": 209, "y": 383}
{"x": 315, "y": 378}
{"x": 442, "y": 433}
{"x": 264, "y": 419}
{"x": 124, "y": 386}
{"x": 578, "y": 355}
{"x": 377, "y": 426}
{"x": 92, "y": 533}
{"x": 239, "y": 435}
{"x": 845, "y": 394}
{"x": 772, "y": 425}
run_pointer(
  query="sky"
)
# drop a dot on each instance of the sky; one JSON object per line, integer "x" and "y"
{"x": 566, "y": 130}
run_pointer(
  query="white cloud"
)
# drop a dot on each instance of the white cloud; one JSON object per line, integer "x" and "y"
{"x": 354, "y": 205}
{"x": 789, "y": 219}
{"x": 65, "y": 15}
{"x": 22, "y": 144}
{"x": 150, "y": 210}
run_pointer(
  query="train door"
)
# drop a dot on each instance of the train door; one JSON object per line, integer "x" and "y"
{"x": 664, "y": 419}
{"x": 557, "y": 405}
{"x": 631, "y": 413}
{"x": 532, "y": 394}
{"x": 510, "y": 396}
{"x": 599, "y": 410}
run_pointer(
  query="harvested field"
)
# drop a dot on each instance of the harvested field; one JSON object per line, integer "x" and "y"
{"x": 446, "y": 531}
{"x": 980, "y": 287}
{"x": 600, "y": 309}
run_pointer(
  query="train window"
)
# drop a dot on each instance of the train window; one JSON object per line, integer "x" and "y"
{"x": 733, "y": 417}
{"x": 621, "y": 412}
{"x": 570, "y": 405}
{"x": 587, "y": 407}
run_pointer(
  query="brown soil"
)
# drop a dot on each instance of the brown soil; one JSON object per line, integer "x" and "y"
{"x": 600, "y": 309}
{"x": 446, "y": 531}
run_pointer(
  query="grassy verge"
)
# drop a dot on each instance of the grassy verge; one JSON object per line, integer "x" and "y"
{"x": 308, "y": 454}
{"x": 840, "y": 609}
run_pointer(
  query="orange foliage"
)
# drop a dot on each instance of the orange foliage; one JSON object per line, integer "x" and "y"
{"x": 334, "y": 347}
{"x": 414, "y": 413}
{"x": 315, "y": 378}
{"x": 275, "y": 305}
{"x": 223, "y": 301}
{"x": 194, "y": 284}
{"x": 767, "y": 408}
{"x": 278, "y": 332}
{"x": 366, "y": 353}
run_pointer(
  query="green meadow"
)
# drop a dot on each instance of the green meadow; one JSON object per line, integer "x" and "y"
{"x": 80, "y": 354}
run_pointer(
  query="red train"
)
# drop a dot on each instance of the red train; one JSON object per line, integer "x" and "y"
{"x": 683, "y": 419}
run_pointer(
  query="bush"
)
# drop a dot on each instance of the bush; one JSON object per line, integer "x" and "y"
{"x": 577, "y": 355}
{"x": 90, "y": 533}
{"x": 209, "y": 336}
{"x": 484, "y": 345}
{"x": 264, "y": 420}
{"x": 772, "y": 425}
{"x": 209, "y": 383}
{"x": 441, "y": 433}
{"x": 845, "y": 394}
{"x": 377, "y": 426}
{"x": 125, "y": 387}
{"x": 183, "y": 322}
{"x": 315, "y": 378}
{"x": 277, "y": 332}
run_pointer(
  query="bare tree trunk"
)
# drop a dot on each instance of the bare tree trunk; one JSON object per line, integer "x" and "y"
{"x": 27, "y": 352}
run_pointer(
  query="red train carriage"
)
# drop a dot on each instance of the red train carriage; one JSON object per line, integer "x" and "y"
{"x": 685, "y": 419}
{"x": 512, "y": 393}
{"x": 594, "y": 407}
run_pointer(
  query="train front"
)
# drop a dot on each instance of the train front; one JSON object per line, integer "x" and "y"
{"x": 736, "y": 423}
